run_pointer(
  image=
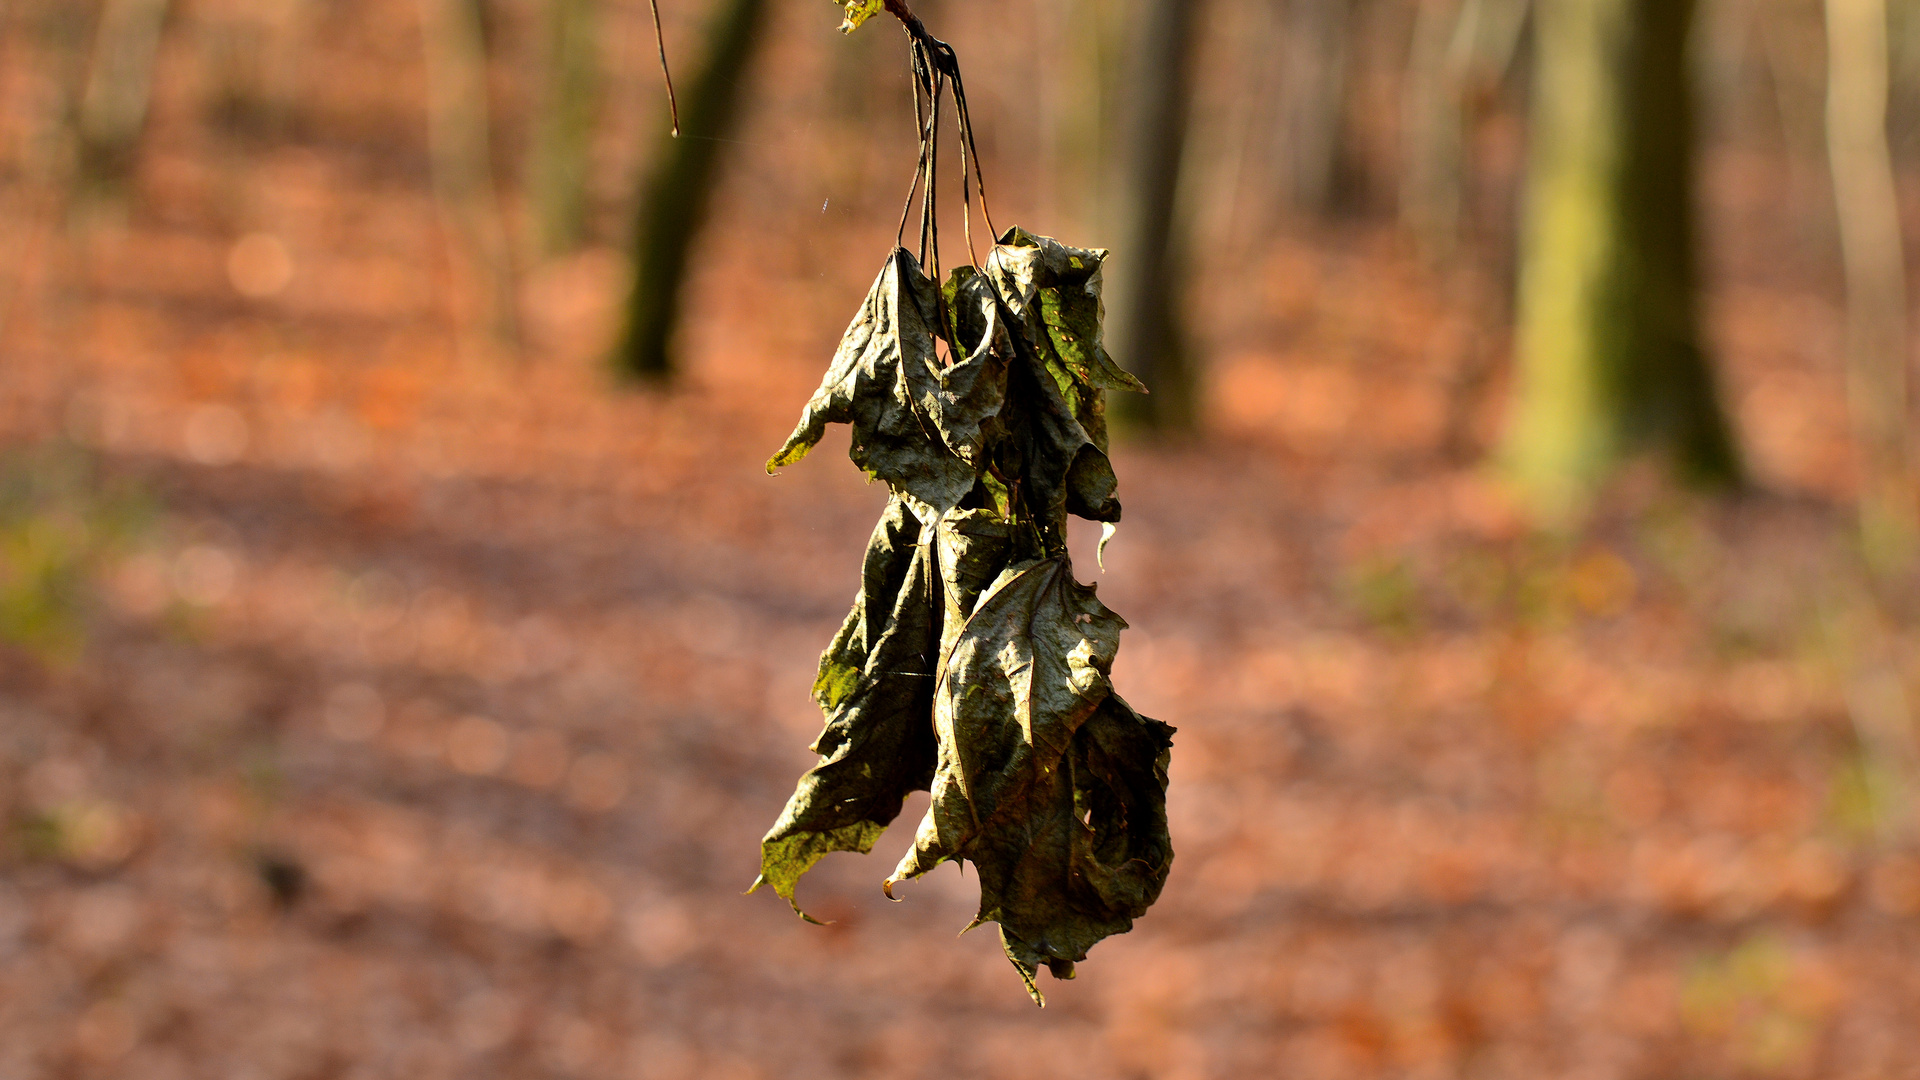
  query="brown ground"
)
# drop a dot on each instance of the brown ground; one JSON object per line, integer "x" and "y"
{"x": 427, "y": 709}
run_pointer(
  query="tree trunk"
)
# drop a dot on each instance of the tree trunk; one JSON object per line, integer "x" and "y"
{"x": 1461, "y": 51}
{"x": 1609, "y": 354}
{"x": 40, "y": 196}
{"x": 1095, "y": 40}
{"x": 1149, "y": 340}
{"x": 459, "y": 140}
{"x": 1870, "y": 243}
{"x": 113, "y": 108}
{"x": 678, "y": 193}
{"x": 1314, "y": 100}
{"x": 563, "y": 127}
{"x": 251, "y": 66}
{"x": 1432, "y": 125}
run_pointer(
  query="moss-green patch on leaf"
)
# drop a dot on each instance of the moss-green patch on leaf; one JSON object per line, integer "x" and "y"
{"x": 835, "y": 683}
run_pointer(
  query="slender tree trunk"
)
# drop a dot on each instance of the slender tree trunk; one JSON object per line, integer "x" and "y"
{"x": 1314, "y": 100}
{"x": 1609, "y": 353}
{"x": 459, "y": 140}
{"x": 674, "y": 206}
{"x": 113, "y": 107}
{"x": 563, "y": 127}
{"x": 1461, "y": 52}
{"x": 45, "y": 184}
{"x": 1095, "y": 41}
{"x": 1150, "y": 338}
{"x": 1870, "y": 243}
{"x": 251, "y": 65}
{"x": 1432, "y": 124}
{"x": 285, "y": 75}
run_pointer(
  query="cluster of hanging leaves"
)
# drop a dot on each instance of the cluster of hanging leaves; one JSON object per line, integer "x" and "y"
{"x": 973, "y": 664}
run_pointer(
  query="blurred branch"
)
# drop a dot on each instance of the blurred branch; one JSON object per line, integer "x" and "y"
{"x": 1432, "y": 123}
{"x": 1463, "y": 51}
{"x": 1870, "y": 243}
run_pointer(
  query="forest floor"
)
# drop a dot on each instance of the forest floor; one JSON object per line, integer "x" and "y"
{"x": 377, "y": 706}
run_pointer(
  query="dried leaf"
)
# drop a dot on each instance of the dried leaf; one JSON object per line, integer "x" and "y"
{"x": 875, "y": 685}
{"x": 973, "y": 389}
{"x": 974, "y": 546}
{"x": 1055, "y": 292}
{"x": 1065, "y": 469}
{"x": 1037, "y": 806}
{"x": 1100, "y": 853}
{"x": 1026, "y": 671}
{"x": 915, "y": 425}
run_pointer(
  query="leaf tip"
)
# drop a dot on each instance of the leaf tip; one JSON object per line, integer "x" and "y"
{"x": 795, "y": 449}
{"x": 795, "y": 905}
{"x": 1033, "y": 988}
{"x": 1107, "y": 529}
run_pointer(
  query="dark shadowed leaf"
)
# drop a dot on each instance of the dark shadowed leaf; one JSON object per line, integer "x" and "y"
{"x": 1042, "y": 810}
{"x": 1101, "y": 850}
{"x": 973, "y": 390}
{"x": 974, "y": 546}
{"x": 875, "y": 685}
{"x": 1066, "y": 472}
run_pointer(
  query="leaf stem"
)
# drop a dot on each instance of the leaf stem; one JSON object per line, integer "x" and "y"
{"x": 899, "y": 10}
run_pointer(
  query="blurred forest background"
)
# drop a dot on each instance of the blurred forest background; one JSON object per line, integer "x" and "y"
{"x": 402, "y": 650}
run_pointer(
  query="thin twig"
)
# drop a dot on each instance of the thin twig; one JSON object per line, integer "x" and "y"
{"x": 941, "y": 66}
{"x": 966, "y": 124}
{"x": 920, "y": 166}
{"x": 922, "y": 81}
{"x": 930, "y": 220}
{"x": 660, "y": 40}
{"x": 966, "y": 203}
